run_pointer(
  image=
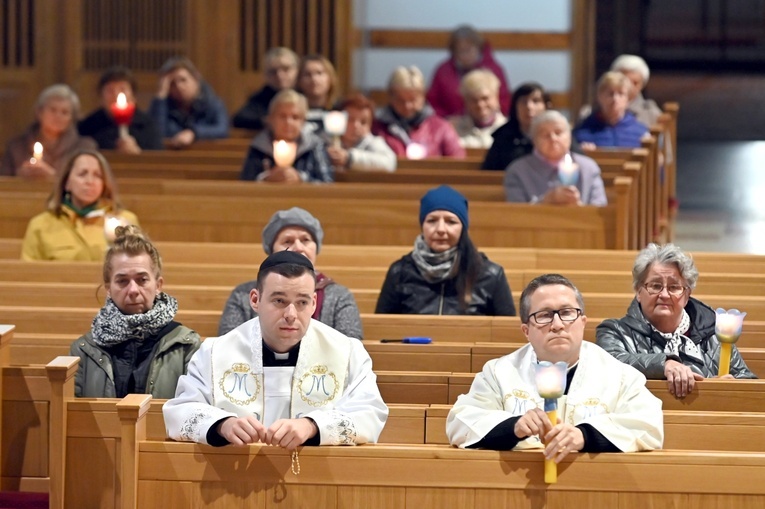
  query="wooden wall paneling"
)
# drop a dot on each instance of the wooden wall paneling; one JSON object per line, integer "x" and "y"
{"x": 582, "y": 54}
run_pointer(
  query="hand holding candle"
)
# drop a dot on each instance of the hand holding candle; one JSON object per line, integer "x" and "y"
{"x": 568, "y": 171}
{"x": 284, "y": 153}
{"x": 335, "y": 124}
{"x": 122, "y": 112}
{"x": 551, "y": 384}
{"x": 37, "y": 153}
{"x": 727, "y": 329}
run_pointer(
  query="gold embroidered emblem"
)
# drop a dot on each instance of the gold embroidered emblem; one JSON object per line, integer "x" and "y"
{"x": 318, "y": 386}
{"x": 240, "y": 385}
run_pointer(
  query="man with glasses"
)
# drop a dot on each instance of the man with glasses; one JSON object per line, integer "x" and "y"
{"x": 605, "y": 407}
{"x": 666, "y": 333}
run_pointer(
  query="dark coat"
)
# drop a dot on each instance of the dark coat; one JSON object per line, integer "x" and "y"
{"x": 101, "y": 127}
{"x": 633, "y": 341}
{"x": 406, "y": 291}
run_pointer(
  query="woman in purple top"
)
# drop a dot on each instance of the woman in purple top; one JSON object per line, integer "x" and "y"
{"x": 552, "y": 174}
{"x": 611, "y": 125}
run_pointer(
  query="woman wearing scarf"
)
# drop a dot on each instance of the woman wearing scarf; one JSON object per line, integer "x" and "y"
{"x": 666, "y": 334}
{"x": 297, "y": 230}
{"x": 409, "y": 125}
{"x": 445, "y": 274}
{"x": 84, "y": 198}
{"x": 134, "y": 345}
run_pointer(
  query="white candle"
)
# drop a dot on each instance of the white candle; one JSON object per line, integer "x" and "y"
{"x": 110, "y": 224}
{"x": 727, "y": 324}
{"x": 549, "y": 382}
{"x": 37, "y": 152}
{"x": 335, "y": 122}
{"x": 284, "y": 153}
{"x": 416, "y": 151}
{"x": 567, "y": 171}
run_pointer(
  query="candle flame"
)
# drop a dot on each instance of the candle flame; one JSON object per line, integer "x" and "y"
{"x": 121, "y": 100}
{"x": 37, "y": 152}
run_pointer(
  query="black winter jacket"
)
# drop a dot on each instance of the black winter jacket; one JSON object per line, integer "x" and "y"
{"x": 405, "y": 291}
{"x": 633, "y": 341}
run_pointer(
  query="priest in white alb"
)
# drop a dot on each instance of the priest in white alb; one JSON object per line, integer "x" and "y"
{"x": 281, "y": 378}
{"x": 606, "y": 406}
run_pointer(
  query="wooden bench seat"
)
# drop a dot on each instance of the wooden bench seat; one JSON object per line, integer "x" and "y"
{"x": 372, "y": 222}
{"x": 213, "y": 254}
{"x": 408, "y": 387}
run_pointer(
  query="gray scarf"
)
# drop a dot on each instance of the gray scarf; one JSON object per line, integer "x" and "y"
{"x": 112, "y": 327}
{"x": 434, "y": 267}
{"x": 677, "y": 342}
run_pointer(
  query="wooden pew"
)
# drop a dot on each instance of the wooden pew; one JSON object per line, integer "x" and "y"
{"x": 173, "y": 474}
{"x": 220, "y": 254}
{"x": 461, "y": 343}
{"x": 375, "y": 222}
{"x": 683, "y": 429}
{"x": 427, "y": 388}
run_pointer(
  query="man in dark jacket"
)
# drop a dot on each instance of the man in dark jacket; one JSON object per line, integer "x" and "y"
{"x": 142, "y": 133}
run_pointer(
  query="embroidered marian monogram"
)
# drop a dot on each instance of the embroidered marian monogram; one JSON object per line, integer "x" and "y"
{"x": 240, "y": 385}
{"x": 519, "y": 402}
{"x": 318, "y": 386}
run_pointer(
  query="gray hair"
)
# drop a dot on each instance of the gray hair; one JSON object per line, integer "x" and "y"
{"x": 632, "y": 63}
{"x": 546, "y": 280}
{"x": 547, "y": 117}
{"x": 59, "y": 91}
{"x": 668, "y": 254}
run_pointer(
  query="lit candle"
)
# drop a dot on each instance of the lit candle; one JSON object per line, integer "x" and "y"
{"x": 110, "y": 224}
{"x": 122, "y": 112}
{"x": 335, "y": 122}
{"x": 37, "y": 153}
{"x": 416, "y": 151}
{"x": 551, "y": 384}
{"x": 568, "y": 171}
{"x": 284, "y": 153}
{"x": 728, "y": 327}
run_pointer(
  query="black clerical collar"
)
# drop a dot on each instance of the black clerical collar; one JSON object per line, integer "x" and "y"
{"x": 273, "y": 359}
{"x": 570, "y": 376}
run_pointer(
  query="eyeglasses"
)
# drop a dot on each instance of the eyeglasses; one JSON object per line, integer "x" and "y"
{"x": 655, "y": 288}
{"x": 548, "y": 315}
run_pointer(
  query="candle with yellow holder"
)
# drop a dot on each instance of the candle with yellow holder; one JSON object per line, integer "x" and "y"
{"x": 37, "y": 153}
{"x": 551, "y": 384}
{"x": 727, "y": 329}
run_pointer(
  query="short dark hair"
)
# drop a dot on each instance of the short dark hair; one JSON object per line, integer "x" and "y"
{"x": 545, "y": 280}
{"x": 288, "y": 270}
{"x": 117, "y": 73}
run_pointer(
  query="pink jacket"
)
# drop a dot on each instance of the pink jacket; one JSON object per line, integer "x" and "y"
{"x": 444, "y": 94}
{"x": 436, "y": 134}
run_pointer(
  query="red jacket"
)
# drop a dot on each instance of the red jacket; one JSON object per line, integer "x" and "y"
{"x": 436, "y": 134}
{"x": 444, "y": 94}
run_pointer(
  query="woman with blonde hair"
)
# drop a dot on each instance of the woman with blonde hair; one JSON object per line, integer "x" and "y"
{"x": 409, "y": 125}
{"x": 134, "y": 346}
{"x": 480, "y": 90}
{"x": 317, "y": 81}
{"x": 84, "y": 202}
